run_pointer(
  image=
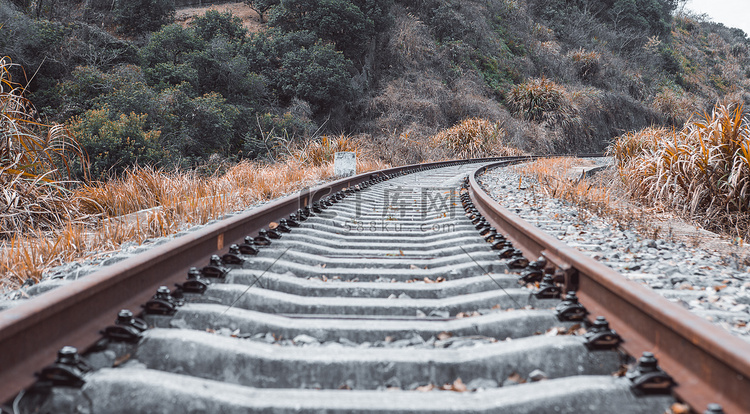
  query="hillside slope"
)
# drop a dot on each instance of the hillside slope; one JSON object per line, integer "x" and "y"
{"x": 556, "y": 76}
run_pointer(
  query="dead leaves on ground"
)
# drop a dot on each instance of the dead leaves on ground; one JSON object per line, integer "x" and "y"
{"x": 678, "y": 408}
{"x": 576, "y": 329}
{"x": 426, "y": 279}
{"x": 442, "y": 336}
{"x": 460, "y": 315}
{"x": 456, "y": 386}
{"x": 517, "y": 378}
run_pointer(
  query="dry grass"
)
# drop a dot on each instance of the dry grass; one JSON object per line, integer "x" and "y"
{"x": 558, "y": 178}
{"x": 322, "y": 150}
{"x": 701, "y": 171}
{"x": 542, "y": 100}
{"x": 474, "y": 137}
{"x": 677, "y": 106}
{"x": 176, "y": 201}
{"x": 34, "y": 160}
{"x": 587, "y": 64}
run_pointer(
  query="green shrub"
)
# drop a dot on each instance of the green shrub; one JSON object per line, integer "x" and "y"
{"x": 115, "y": 143}
{"x": 167, "y": 74}
{"x": 123, "y": 89}
{"x": 214, "y": 24}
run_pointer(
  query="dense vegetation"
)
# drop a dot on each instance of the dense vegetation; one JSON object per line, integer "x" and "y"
{"x": 133, "y": 87}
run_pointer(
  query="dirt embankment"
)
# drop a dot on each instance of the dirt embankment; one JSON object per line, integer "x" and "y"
{"x": 250, "y": 19}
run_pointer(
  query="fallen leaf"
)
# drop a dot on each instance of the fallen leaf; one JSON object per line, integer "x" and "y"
{"x": 552, "y": 332}
{"x": 440, "y": 279}
{"x": 413, "y": 267}
{"x": 425, "y": 388}
{"x": 496, "y": 306}
{"x": 720, "y": 287}
{"x": 573, "y": 329}
{"x": 460, "y": 315}
{"x": 459, "y": 386}
{"x": 678, "y": 408}
{"x": 209, "y": 330}
{"x": 388, "y": 339}
{"x": 121, "y": 360}
{"x": 345, "y": 387}
{"x": 517, "y": 378}
{"x": 444, "y": 335}
{"x": 621, "y": 371}
{"x": 428, "y": 280}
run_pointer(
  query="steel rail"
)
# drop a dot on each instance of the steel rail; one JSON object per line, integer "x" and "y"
{"x": 32, "y": 333}
{"x": 709, "y": 364}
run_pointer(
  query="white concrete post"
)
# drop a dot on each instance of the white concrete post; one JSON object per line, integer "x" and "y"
{"x": 345, "y": 164}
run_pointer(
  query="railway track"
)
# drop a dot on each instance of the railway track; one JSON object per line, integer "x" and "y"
{"x": 408, "y": 290}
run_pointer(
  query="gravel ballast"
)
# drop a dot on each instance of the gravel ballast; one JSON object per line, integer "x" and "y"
{"x": 712, "y": 284}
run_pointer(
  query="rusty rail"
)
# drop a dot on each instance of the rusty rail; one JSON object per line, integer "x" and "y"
{"x": 708, "y": 363}
{"x": 32, "y": 333}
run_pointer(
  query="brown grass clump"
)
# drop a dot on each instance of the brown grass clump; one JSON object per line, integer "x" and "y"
{"x": 323, "y": 150}
{"x": 146, "y": 203}
{"x": 34, "y": 161}
{"x": 535, "y": 99}
{"x": 543, "y": 100}
{"x": 472, "y": 138}
{"x": 702, "y": 171}
{"x": 587, "y": 64}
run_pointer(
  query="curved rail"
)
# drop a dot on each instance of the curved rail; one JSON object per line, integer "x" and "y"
{"x": 32, "y": 333}
{"x": 708, "y": 363}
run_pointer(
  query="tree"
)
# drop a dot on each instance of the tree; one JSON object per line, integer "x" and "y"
{"x": 651, "y": 17}
{"x": 318, "y": 75}
{"x": 261, "y": 7}
{"x": 135, "y": 17}
{"x": 171, "y": 44}
{"x": 340, "y": 22}
{"x": 197, "y": 127}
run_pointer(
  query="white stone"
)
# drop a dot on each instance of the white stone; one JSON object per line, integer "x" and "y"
{"x": 345, "y": 164}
